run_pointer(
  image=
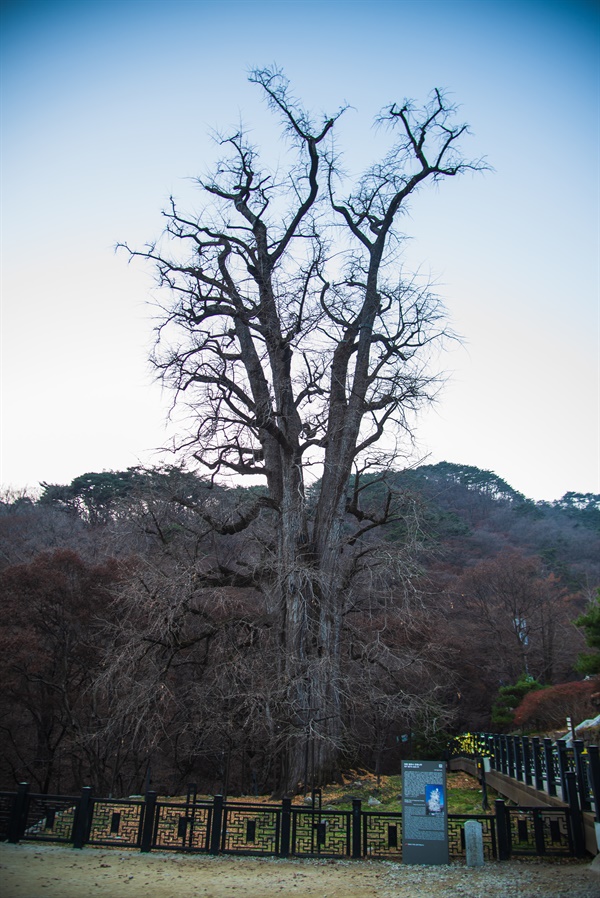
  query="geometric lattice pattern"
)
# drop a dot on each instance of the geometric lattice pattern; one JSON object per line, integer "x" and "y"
{"x": 182, "y": 827}
{"x": 251, "y": 829}
{"x": 456, "y": 836}
{"x": 50, "y": 818}
{"x": 324, "y": 833}
{"x": 266, "y": 829}
{"x": 382, "y": 835}
{"x": 586, "y": 786}
{"x": 116, "y": 822}
{"x": 537, "y": 831}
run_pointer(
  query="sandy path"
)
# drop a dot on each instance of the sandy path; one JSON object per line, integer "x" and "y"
{"x": 50, "y": 871}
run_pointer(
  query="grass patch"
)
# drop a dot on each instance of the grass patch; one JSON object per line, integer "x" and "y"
{"x": 464, "y": 793}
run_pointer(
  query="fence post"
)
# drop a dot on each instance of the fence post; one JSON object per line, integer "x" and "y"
{"x": 356, "y": 828}
{"x": 18, "y": 815}
{"x": 217, "y": 825}
{"x": 510, "y": 752}
{"x": 549, "y": 758}
{"x": 527, "y": 761}
{"x": 563, "y": 766}
{"x": 480, "y": 762}
{"x": 576, "y": 816}
{"x": 190, "y": 812}
{"x": 594, "y": 777}
{"x": 518, "y": 758}
{"x": 148, "y": 821}
{"x": 286, "y": 826}
{"x": 584, "y": 798}
{"x": 83, "y": 818}
{"x": 537, "y": 764}
{"x": 502, "y": 830}
{"x": 504, "y": 754}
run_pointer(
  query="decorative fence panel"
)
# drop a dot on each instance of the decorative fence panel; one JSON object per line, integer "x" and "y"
{"x": 50, "y": 818}
{"x": 382, "y": 835}
{"x": 321, "y": 833}
{"x": 116, "y": 822}
{"x": 265, "y": 829}
{"x": 540, "y": 831}
{"x": 456, "y": 835}
{"x": 182, "y": 827}
{"x": 251, "y": 829}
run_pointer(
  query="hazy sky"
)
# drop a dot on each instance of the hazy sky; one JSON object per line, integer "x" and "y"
{"x": 106, "y": 111}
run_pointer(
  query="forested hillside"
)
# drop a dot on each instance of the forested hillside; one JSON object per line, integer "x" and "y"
{"x": 513, "y": 575}
{"x": 139, "y": 642}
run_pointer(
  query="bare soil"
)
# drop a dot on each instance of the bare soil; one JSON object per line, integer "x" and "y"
{"x": 51, "y": 871}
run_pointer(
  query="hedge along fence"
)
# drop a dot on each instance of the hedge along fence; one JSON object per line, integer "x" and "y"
{"x": 251, "y": 828}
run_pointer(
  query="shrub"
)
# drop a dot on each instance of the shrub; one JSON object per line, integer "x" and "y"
{"x": 509, "y": 699}
{"x": 548, "y": 708}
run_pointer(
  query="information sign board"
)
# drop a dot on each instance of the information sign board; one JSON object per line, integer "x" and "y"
{"x": 424, "y": 813}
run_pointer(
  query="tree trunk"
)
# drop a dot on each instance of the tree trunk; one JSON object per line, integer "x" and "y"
{"x": 310, "y": 639}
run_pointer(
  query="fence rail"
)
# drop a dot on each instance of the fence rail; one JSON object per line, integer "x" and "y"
{"x": 252, "y": 828}
{"x": 542, "y": 764}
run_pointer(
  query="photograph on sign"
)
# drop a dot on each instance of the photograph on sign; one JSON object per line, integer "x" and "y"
{"x": 434, "y": 799}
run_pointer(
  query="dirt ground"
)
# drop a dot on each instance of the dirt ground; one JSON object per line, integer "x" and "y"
{"x": 51, "y": 871}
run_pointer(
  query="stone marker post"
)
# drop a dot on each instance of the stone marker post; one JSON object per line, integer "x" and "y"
{"x": 474, "y": 843}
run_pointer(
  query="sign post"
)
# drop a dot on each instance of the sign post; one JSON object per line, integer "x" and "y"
{"x": 424, "y": 813}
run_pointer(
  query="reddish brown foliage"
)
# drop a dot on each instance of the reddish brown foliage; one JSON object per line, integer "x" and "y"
{"x": 546, "y": 709}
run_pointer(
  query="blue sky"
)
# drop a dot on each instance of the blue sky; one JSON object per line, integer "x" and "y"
{"x": 107, "y": 109}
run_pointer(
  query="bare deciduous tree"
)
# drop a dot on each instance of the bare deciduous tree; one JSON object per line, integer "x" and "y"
{"x": 300, "y": 349}
{"x": 516, "y": 615}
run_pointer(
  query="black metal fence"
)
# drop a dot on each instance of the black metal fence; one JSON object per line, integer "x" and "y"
{"x": 285, "y": 830}
{"x": 544, "y": 765}
{"x": 537, "y": 831}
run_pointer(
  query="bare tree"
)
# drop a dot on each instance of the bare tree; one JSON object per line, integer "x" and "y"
{"x": 300, "y": 349}
{"x": 516, "y": 615}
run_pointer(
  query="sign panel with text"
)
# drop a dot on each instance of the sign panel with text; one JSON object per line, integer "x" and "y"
{"x": 424, "y": 813}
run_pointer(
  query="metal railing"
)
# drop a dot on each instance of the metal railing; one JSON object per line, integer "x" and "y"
{"x": 540, "y": 763}
{"x": 217, "y": 826}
